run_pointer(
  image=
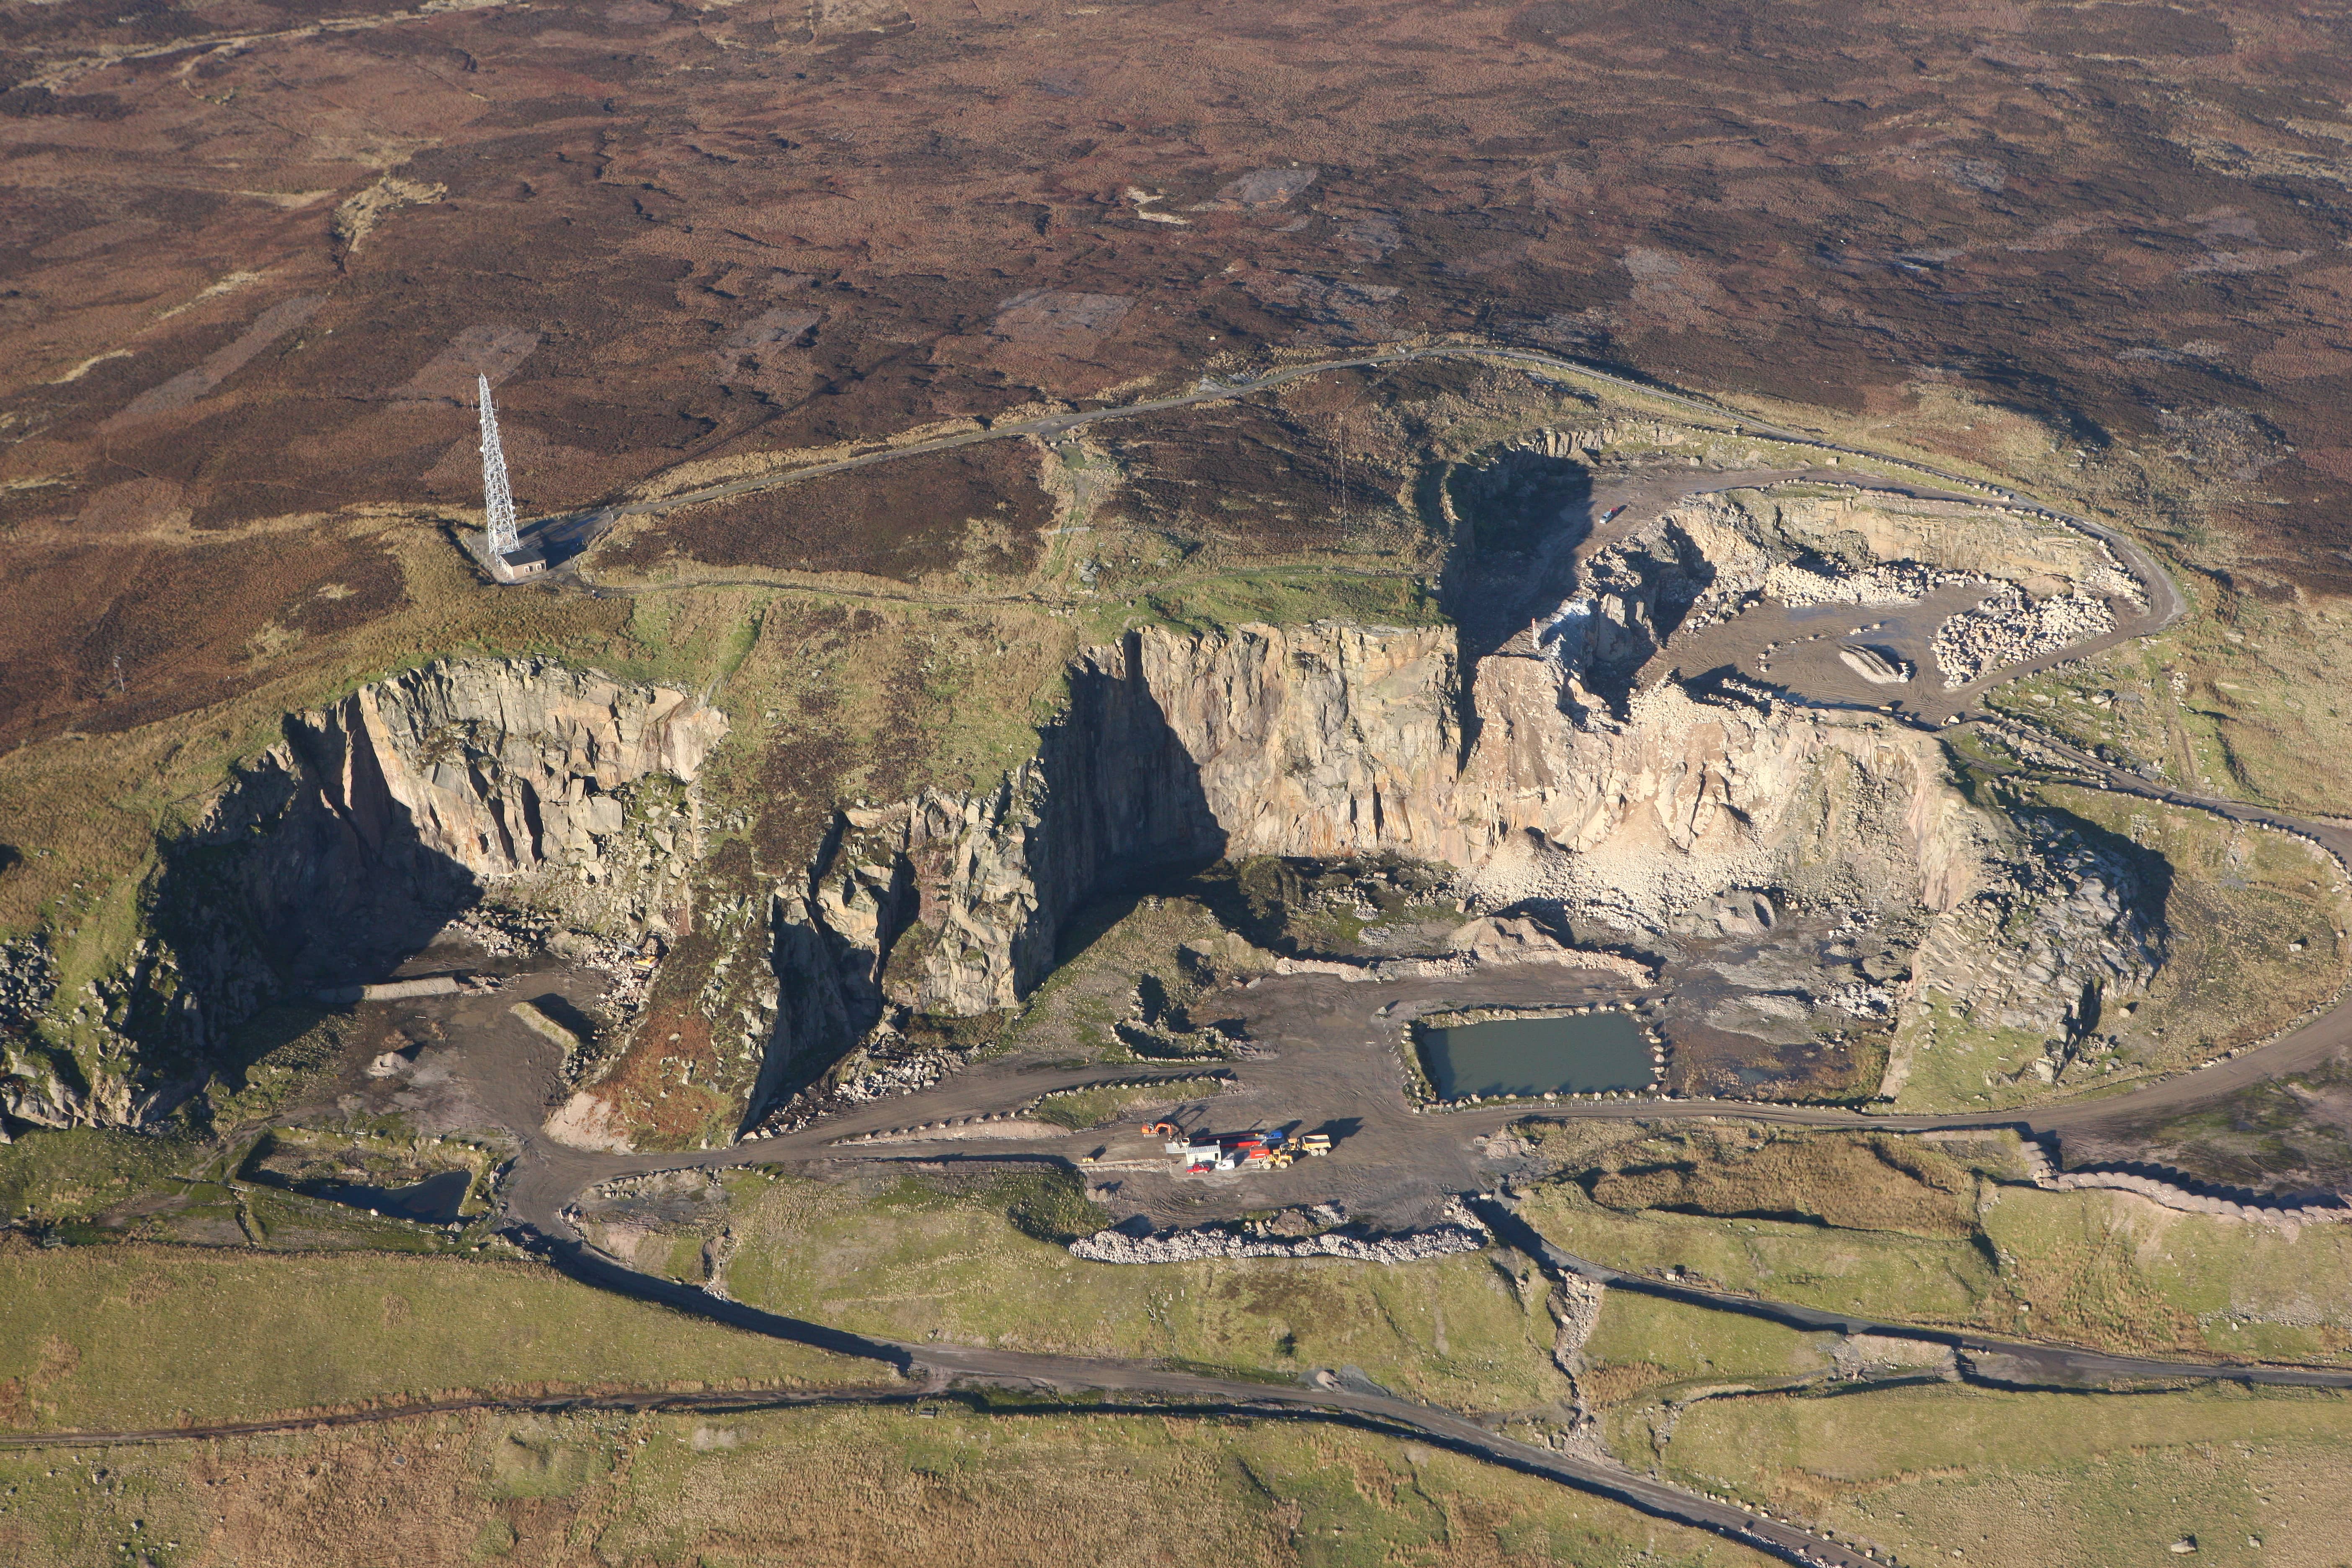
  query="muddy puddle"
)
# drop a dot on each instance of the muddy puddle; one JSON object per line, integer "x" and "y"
{"x": 1537, "y": 1055}
{"x": 433, "y": 1200}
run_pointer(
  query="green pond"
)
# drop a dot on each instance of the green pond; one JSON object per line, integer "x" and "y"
{"x": 1537, "y": 1055}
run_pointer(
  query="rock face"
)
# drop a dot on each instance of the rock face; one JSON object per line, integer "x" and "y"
{"x": 1567, "y": 777}
{"x": 504, "y": 768}
{"x": 416, "y": 795}
{"x": 1323, "y": 740}
{"x": 353, "y": 841}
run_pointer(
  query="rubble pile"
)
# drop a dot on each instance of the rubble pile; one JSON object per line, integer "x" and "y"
{"x": 2009, "y": 628}
{"x": 29, "y": 977}
{"x": 1892, "y": 582}
{"x": 1460, "y": 1233}
{"x": 2277, "y": 1212}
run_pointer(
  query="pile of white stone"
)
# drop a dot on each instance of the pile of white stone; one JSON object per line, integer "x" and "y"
{"x": 2009, "y": 628}
{"x": 499, "y": 932}
{"x": 1860, "y": 998}
{"x": 1484, "y": 941}
{"x": 879, "y": 1082}
{"x": 1461, "y": 1233}
{"x": 1893, "y": 582}
{"x": 895, "y": 1078}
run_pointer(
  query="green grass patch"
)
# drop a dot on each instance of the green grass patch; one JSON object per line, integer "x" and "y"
{"x": 72, "y": 1172}
{"x": 920, "y": 1258}
{"x": 1989, "y": 1477}
{"x": 957, "y": 1486}
{"x": 1903, "y": 1278}
{"x": 1650, "y": 1345}
{"x": 142, "y": 1336}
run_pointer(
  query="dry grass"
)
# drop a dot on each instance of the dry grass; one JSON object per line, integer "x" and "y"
{"x": 142, "y": 1336}
{"x": 821, "y": 1489}
{"x": 2253, "y": 919}
{"x": 1854, "y": 1182}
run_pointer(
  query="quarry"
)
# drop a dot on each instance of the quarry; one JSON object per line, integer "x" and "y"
{"x": 1276, "y": 942}
{"x": 1478, "y": 786}
{"x": 1660, "y": 786}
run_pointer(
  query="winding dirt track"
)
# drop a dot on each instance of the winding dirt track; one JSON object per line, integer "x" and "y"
{"x": 581, "y": 526}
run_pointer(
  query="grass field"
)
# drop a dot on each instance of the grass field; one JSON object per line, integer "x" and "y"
{"x": 817, "y": 1489}
{"x": 137, "y": 1336}
{"x": 2054, "y": 1481}
{"x": 2253, "y": 919}
{"x": 916, "y": 1258}
{"x": 2107, "y": 1270}
{"x": 1650, "y": 1348}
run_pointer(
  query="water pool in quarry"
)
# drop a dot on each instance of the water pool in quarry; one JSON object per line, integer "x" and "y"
{"x": 1574, "y": 1055}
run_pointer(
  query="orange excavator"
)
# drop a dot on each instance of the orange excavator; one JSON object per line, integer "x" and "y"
{"x": 1159, "y": 1130}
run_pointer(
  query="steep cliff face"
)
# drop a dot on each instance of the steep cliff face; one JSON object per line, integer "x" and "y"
{"x": 508, "y": 768}
{"x": 411, "y": 797}
{"x": 352, "y": 842}
{"x": 1567, "y": 776}
{"x": 1323, "y": 740}
{"x": 954, "y": 904}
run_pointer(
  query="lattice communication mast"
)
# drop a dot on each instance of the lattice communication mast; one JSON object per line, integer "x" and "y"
{"x": 498, "y": 500}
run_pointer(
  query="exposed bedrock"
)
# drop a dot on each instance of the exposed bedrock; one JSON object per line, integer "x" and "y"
{"x": 1329, "y": 741}
{"x": 348, "y": 844}
{"x": 414, "y": 795}
{"x": 1548, "y": 778}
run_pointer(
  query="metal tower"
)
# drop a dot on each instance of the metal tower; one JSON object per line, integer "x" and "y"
{"x": 498, "y": 500}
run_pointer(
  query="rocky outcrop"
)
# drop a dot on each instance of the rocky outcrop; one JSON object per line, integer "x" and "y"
{"x": 415, "y": 796}
{"x": 504, "y": 769}
{"x": 2066, "y": 922}
{"x": 1569, "y": 775}
{"x": 376, "y": 819}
